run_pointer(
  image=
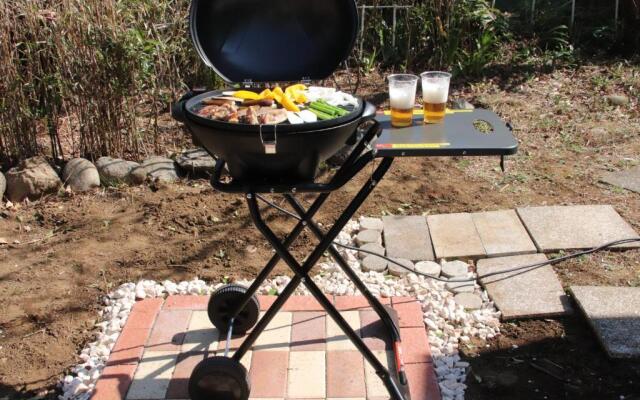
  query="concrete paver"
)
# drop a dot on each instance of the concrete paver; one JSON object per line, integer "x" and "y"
{"x": 502, "y": 233}
{"x": 525, "y": 293}
{"x": 407, "y": 237}
{"x": 153, "y": 375}
{"x": 455, "y": 236}
{"x": 614, "y": 314}
{"x": 629, "y": 179}
{"x": 277, "y": 334}
{"x": 575, "y": 227}
{"x": 307, "y": 375}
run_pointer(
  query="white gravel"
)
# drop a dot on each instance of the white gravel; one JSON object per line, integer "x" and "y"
{"x": 448, "y": 323}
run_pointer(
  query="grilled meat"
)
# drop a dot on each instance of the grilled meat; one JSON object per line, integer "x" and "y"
{"x": 272, "y": 116}
{"x": 225, "y": 112}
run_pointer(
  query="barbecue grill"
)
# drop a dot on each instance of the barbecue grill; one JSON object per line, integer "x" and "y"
{"x": 245, "y": 41}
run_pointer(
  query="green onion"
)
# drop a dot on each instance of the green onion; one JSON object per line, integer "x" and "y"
{"x": 323, "y": 108}
{"x": 336, "y": 110}
{"x": 321, "y": 115}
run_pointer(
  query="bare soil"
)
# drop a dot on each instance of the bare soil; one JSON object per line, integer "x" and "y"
{"x": 75, "y": 248}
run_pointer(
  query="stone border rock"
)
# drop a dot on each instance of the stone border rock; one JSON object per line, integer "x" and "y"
{"x": 448, "y": 323}
{"x": 34, "y": 177}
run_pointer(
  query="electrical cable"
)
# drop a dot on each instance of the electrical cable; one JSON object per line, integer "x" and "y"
{"x": 527, "y": 267}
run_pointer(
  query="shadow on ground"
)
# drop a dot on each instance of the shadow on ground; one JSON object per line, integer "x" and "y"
{"x": 549, "y": 359}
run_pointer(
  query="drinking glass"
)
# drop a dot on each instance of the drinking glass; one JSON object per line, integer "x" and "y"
{"x": 435, "y": 91}
{"x": 402, "y": 97}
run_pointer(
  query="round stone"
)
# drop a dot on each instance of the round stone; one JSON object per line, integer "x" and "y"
{"x": 196, "y": 162}
{"x": 470, "y": 301}
{"x": 160, "y": 169}
{"x": 374, "y": 263}
{"x": 455, "y": 269}
{"x": 462, "y": 286}
{"x": 397, "y": 270}
{"x": 428, "y": 268}
{"x": 367, "y": 223}
{"x": 115, "y": 171}
{"x": 368, "y": 236}
{"x": 80, "y": 175}
{"x": 371, "y": 247}
{"x": 31, "y": 178}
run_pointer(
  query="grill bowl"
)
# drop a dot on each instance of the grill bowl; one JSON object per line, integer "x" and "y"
{"x": 299, "y": 148}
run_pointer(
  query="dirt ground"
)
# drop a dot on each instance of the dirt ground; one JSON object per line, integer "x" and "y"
{"x": 72, "y": 249}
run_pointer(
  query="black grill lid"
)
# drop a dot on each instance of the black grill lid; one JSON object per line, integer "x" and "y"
{"x": 273, "y": 40}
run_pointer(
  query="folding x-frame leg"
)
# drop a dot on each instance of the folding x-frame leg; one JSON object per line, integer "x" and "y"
{"x": 302, "y": 272}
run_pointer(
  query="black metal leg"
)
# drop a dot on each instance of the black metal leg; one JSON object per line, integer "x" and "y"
{"x": 335, "y": 254}
{"x": 386, "y": 319}
{"x": 366, "y": 138}
{"x": 264, "y": 274}
{"x": 302, "y": 275}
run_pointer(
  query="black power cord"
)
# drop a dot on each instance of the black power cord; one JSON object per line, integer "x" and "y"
{"x": 527, "y": 267}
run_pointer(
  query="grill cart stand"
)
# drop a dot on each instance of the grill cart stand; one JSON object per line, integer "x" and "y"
{"x": 234, "y": 309}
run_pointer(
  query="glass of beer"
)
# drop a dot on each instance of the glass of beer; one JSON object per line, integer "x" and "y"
{"x": 402, "y": 96}
{"x": 435, "y": 90}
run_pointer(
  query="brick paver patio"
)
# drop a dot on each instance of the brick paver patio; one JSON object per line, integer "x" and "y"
{"x": 301, "y": 355}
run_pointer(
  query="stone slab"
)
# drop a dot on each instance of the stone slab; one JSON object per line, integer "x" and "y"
{"x": 502, "y": 233}
{"x": 455, "y": 236}
{"x": 614, "y": 314}
{"x": 407, "y": 237}
{"x": 526, "y": 293}
{"x": 575, "y": 227}
{"x": 629, "y": 179}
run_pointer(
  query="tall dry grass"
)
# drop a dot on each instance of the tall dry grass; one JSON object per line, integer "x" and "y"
{"x": 94, "y": 74}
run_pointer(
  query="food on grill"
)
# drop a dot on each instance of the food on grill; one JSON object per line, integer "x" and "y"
{"x": 260, "y": 102}
{"x": 228, "y": 111}
{"x": 328, "y": 109}
{"x": 294, "y": 118}
{"x": 331, "y": 96}
{"x": 296, "y": 104}
{"x": 247, "y": 95}
{"x": 307, "y": 116}
{"x": 256, "y": 115}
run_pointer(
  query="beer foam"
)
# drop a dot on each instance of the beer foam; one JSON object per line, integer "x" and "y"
{"x": 401, "y": 98}
{"x": 434, "y": 93}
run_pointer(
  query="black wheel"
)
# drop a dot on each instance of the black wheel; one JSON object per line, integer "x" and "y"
{"x": 219, "y": 378}
{"x": 224, "y": 301}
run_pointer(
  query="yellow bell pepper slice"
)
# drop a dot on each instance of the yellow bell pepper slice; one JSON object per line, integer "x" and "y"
{"x": 278, "y": 94}
{"x": 295, "y": 88}
{"x": 246, "y": 95}
{"x": 289, "y": 105}
{"x": 300, "y": 98}
{"x": 267, "y": 94}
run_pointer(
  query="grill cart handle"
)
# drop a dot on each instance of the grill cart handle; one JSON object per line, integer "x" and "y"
{"x": 178, "y": 110}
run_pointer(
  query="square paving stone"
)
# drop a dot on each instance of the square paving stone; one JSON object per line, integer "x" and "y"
{"x": 407, "y": 237}
{"x": 629, "y": 179}
{"x": 575, "y": 227}
{"x": 526, "y": 293}
{"x": 153, "y": 375}
{"x": 455, "y": 236}
{"x": 502, "y": 233}
{"x": 614, "y": 314}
